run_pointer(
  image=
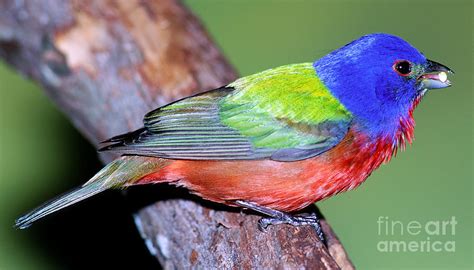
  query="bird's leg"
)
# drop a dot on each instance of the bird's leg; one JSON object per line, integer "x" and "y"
{"x": 278, "y": 217}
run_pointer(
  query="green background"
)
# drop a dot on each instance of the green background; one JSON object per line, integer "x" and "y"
{"x": 431, "y": 181}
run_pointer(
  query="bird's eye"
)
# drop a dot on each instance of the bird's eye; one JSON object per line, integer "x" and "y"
{"x": 402, "y": 67}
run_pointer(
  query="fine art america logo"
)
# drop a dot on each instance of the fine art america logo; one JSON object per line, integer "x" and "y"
{"x": 429, "y": 236}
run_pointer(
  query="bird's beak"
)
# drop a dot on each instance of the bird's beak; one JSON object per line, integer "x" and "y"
{"x": 435, "y": 76}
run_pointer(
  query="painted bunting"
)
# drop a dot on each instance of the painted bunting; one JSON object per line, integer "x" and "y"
{"x": 279, "y": 140}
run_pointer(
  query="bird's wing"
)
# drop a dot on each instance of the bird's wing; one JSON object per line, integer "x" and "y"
{"x": 284, "y": 114}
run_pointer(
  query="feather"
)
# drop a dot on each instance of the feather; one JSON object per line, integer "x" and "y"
{"x": 115, "y": 174}
{"x": 244, "y": 121}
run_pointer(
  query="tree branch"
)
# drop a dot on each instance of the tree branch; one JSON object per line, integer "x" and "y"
{"x": 105, "y": 64}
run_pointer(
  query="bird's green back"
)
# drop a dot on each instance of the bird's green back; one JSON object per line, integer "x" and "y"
{"x": 283, "y": 114}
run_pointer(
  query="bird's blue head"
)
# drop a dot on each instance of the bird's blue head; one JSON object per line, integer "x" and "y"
{"x": 379, "y": 78}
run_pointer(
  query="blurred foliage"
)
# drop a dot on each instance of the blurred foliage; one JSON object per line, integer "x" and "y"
{"x": 40, "y": 153}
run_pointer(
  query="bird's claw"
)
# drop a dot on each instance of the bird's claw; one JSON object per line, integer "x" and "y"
{"x": 300, "y": 220}
{"x": 277, "y": 217}
{"x": 263, "y": 223}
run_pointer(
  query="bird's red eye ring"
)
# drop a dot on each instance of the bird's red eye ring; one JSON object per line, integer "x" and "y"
{"x": 402, "y": 67}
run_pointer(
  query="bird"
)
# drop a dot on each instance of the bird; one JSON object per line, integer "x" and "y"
{"x": 279, "y": 140}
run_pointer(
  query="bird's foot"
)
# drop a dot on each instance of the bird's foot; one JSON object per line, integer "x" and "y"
{"x": 299, "y": 220}
{"x": 277, "y": 217}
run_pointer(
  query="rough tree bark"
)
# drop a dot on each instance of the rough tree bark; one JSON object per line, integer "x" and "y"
{"x": 105, "y": 64}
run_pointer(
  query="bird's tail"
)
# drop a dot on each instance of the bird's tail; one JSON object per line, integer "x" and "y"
{"x": 119, "y": 173}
